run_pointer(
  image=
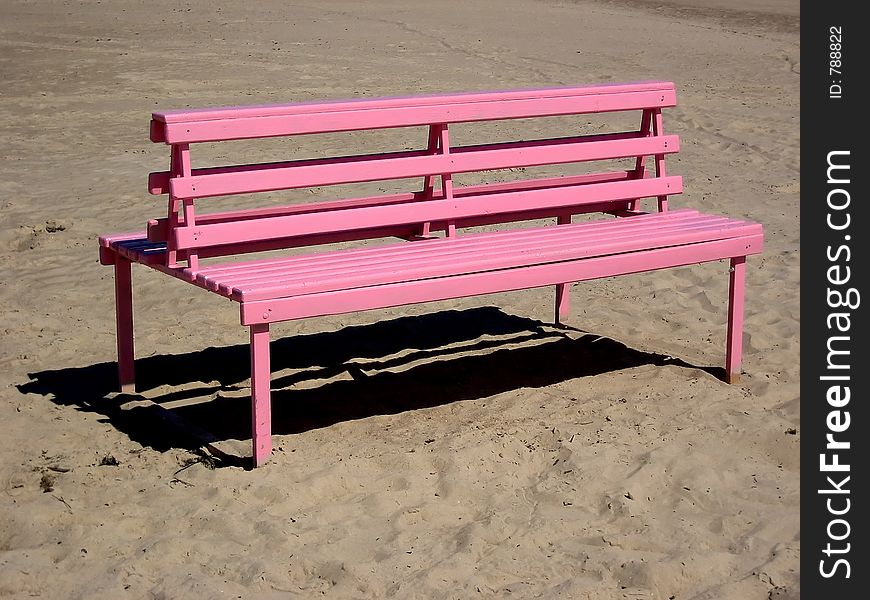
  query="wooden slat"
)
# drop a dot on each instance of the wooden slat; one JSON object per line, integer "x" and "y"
{"x": 394, "y": 231}
{"x": 364, "y": 218}
{"x": 399, "y": 231}
{"x": 462, "y": 160}
{"x": 417, "y": 100}
{"x": 261, "y": 127}
{"x": 107, "y": 241}
{"x": 235, "y": 273}
{"x": 436, "y": 269}
{"x": 444, "y": 261}
{"x": 394, "y": 255}
{"x": 405, "y": 232}
{"x": 255, "y": 122}
{"x": 158, "y": 182}
{"x": 444, "y": 288}
{"x": 472, "y": 241}
{"x": 157, "y": 228}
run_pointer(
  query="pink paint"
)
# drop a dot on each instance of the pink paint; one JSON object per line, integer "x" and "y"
{"x": 429, "y": 268}
{"x": 158, "y": 228}
{"x": 403, "y": 214}
{"x": 285, "y": 176}
{"x": 261, "y": 403}
{"x": 186, "y": 126}
{"x": 342, "y": 301}
{"x": 563, "y": 300}
{"x": 734, "y": 340}
{"x": 124, "y": 324}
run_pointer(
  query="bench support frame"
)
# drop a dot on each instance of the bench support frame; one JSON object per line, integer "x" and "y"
{"x": 261, "y": 404}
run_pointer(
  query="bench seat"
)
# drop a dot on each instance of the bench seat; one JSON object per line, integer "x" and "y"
{"x": 315, "y": 273}
{"x": 474, "y": 253}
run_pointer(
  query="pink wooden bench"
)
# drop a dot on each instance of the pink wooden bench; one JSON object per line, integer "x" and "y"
{"x": 431, "y": 259}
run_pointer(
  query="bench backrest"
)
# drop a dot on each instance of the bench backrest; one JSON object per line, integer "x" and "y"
{"x": 190, "y": 236}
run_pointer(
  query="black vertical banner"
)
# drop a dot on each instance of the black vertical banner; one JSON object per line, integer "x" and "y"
{"x": 835, "y": 350}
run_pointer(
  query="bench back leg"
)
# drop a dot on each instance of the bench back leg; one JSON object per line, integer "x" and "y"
{"x": 563, "y": 305}
{"x": 734, "y": 340}
{"x": 124, "y": 324}
{"x": 261, "y": 402}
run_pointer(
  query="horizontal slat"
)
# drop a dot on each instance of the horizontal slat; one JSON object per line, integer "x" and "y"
{"x": 474, "y": 246}
{"x": 107, "y": 241}
{"x": 141, "y": 250}
{"x": 444, "y": 261}
{"x": 157, "y": 227}
{"x": 428, "y": 290}
{"x": 406, "y": 232}
{"x": 503, "y": 259}
{"x": 418, "y": 100}
{"x": 231, "y": 274}
{"x": 398, "y": 231}
{"x": 460, "y": 160}
{"x": 159, "y": 181}
{"x": 355, "y": 118}
{"x": 471, "y": 206}
{"x": 473, "y": 241}
{"x": 394, "y": 231}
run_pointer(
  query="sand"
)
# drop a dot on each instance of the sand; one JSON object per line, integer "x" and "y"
{"x": 462, "y": 449}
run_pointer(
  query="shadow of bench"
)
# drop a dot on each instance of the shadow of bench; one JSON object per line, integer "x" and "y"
{"x": 454, "y": 356}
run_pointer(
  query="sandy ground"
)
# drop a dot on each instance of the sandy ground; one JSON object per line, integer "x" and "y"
{"x": 462, "y": 449}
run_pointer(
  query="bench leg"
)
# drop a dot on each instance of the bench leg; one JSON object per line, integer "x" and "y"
{"x": 124, "y": 324}
{"x": 562, "y": 299}
{"x": 562, "y": 302}
{"x": 734, "y": 341}
{"x": 261, "y": 402}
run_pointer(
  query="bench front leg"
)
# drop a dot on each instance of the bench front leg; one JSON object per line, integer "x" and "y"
{"x": 124, "y": 324}
{"x": 261, "y": 402}
{"x": 734, "y": 340}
